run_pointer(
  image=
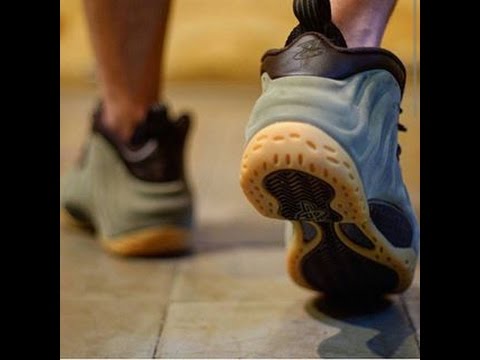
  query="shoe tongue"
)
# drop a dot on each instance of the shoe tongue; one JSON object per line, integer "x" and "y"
{"x": 316, "y": 15}
{"x": 155, "y": 122}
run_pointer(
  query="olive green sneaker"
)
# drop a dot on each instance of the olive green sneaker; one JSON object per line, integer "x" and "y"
{"x": 322, "y": 153}
{"x": 134, "y": 195}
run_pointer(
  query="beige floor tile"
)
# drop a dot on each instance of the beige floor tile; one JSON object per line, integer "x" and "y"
{"x": 243, "y": 271}
{"x": 295, "y": 329}
{"x": 126, "y": 327}
{"x": 87, "y": 272}
{"x": 237, "y": 329}
{"x": 232, "y": 234}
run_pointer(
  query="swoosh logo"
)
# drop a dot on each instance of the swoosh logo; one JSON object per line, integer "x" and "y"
{"x": 309, "y": 211}
{"x": 140, "y": 154}
{"x": 310, "y": 49}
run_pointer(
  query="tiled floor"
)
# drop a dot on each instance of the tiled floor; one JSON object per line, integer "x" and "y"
{"x": 232, "y": 297}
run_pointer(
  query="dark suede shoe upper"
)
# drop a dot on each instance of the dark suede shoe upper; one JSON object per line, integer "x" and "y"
{"x": 156, "y": 150}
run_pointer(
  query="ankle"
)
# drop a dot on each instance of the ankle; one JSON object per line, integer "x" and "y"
{"x": 359, "y": 35}
{"x": 123, "y": 118}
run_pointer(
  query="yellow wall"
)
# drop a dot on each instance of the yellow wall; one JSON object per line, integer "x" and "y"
{"x": 216, "y": 39}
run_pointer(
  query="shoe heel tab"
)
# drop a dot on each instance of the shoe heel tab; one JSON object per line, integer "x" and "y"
{"x": 312, "y": 54}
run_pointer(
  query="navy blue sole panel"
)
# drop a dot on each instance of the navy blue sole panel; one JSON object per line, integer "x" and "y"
{"x": 331, "y": 266}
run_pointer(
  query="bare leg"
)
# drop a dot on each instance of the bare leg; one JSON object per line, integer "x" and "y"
{"x": 362, "y": 22}
{"x": 127, "y": 38}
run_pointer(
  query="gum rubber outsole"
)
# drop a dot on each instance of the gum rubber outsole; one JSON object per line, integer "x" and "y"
{"x": 295, "y": 171}
{"x": 150, "y": 242}
{"x": 161, "y": 241}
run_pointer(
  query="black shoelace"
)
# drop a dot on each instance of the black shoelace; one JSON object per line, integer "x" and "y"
{"x": 401, "y": 128}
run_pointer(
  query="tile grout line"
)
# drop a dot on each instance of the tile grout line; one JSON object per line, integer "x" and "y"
{"x": 163, "y": 320}
{"x": 410, "y": 320}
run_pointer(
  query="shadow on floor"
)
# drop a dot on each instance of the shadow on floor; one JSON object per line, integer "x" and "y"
{"x": 215, "y": 237}
{"x": 378, "y": 328}
{"x": 207, "y": 237}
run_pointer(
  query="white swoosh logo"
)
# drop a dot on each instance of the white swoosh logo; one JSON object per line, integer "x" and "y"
{"x": 141, "y": 154}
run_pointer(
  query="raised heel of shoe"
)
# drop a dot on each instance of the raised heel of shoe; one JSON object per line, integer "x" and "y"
{"x": 295, "y": 171}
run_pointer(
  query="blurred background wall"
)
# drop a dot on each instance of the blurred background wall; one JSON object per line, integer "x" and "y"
{"x": 219, "y": 39}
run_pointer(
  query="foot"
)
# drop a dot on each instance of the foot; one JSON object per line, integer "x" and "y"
{"x": 134, "y": 195}
{"x": 322, "y": 153}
